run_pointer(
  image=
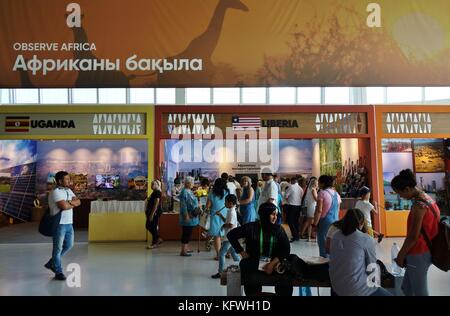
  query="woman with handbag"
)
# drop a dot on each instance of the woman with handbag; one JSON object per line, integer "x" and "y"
{"x": 152, "y": 212}
{"x": 188, "y": 203}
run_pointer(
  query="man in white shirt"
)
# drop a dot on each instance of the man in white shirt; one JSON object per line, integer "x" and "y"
{"x": 293, "y": 197}
{"x": 61, "y": 200}
{"x": 269, "y": 192}
{"x": 230, "y": 183}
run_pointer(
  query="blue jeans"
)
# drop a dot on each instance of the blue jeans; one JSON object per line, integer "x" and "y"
{"x": 223, "y": 251}
{"x": 415, "y": 281}
{"x": 381, "y": 292}
{"x": 62, "y": 243}
{"x": 322, "y": 230}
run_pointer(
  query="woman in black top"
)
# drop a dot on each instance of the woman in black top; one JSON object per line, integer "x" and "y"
{"x": 153, "y": 212}
{"x": 275, "y": 246}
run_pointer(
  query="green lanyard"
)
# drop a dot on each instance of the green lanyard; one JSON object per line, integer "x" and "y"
{"x": 261, "y": 243}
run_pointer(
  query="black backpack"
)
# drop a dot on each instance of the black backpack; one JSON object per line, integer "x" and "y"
{"x": 440, "y": 245}
{"x": 49, "y": 223}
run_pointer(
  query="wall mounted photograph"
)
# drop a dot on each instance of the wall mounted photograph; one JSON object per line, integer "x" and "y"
{"x": 429, "y": 155}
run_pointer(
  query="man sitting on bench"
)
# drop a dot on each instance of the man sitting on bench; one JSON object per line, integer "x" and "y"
{"x": 266, "y": 245}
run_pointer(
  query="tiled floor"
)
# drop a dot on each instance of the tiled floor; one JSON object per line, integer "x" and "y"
{"x": 130, "y": 269}
{"x": 28, "y": 233}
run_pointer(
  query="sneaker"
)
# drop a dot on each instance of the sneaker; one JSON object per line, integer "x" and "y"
{"x": 380, "y": 237}
{"x": 185, "y": 254}
{"x": 60, "y": 277}
{"x": 152, "y": 246}
{"x": 216, "y": 276}
{"x": 50, "y": 266}
{"x": 190, "y": 251}
{"x": 160, "y": 241}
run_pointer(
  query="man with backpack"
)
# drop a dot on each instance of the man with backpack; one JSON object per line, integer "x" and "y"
{"x": 61, "y": 202}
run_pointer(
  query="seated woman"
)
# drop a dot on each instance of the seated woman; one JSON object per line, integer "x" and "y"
{"x": 263, "y": 239}
{"x": 351, "y": 253}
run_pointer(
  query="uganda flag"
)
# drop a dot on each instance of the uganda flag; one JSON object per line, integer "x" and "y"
{"x": 17, "y": 124}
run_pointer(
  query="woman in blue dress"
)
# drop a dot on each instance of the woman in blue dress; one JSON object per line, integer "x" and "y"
{"x": 188, "y": 202}
{"x": 247, "y": 201}
{"x": 216, "y": 202}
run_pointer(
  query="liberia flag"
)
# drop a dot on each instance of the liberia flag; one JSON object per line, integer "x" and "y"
{"x": 17, "y": 124}
{"x": 243, "y": 122}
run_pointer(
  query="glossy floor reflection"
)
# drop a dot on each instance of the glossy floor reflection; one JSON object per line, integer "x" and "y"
{"x": 130, "y": 269}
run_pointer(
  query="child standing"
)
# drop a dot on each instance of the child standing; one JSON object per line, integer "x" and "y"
{"x": 230, "y": 222}
{"x": 366, "y": 207}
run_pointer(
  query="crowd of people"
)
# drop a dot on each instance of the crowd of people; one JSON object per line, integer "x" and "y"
{"x": 243, "y": 211}
{"x": 239, "y": 211}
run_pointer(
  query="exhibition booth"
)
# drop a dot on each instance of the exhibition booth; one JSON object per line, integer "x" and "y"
{"x": 414, "y": 137}
{"x": 204, "y": 142}
{"x": 107, "y": 151}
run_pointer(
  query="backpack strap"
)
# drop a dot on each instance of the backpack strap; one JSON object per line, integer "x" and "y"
{"x": 422, "y": 231}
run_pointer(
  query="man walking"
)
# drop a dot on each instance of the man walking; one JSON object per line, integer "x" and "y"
{"x": 63, "y": 200}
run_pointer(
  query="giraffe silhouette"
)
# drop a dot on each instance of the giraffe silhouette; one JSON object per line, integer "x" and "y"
{"x": 203, "y": 47}
{"x": 25, "y": 81}
{"x": 96, "y": 78}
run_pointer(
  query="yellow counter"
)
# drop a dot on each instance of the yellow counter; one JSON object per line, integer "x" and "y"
{"x": 117, "y": 227}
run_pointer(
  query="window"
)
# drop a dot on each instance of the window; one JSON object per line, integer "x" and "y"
{"x": 84, "y": 95}
{"x": 112, "y": 96}
{"x": 198, "y": 95}
{"x": 254, "y": 95}
{"x": 142, "y": 95}
{"x": 282, "y": 95}
{"x": 226, "y": 95}
{"x": 404, "y": 94}
{"x": 27, "y": 96}
{"x": 4, "y": 96}
{"x": 165, "y": 95}
{"x": 54, "y": 96}
{"x": 309, "y": 95}
{"x": 375, "y": 95}
{"x": 337, "y": 95}
{"x": 437, "y": 93}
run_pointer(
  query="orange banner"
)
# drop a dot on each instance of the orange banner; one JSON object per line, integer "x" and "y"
{"x": 224, "y": 43}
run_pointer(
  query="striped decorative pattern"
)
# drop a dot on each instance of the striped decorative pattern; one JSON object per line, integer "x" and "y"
{"x": 197, "y": 124}
{"x": 408, "y": 123}
{"x": 118, "y": 124}
{"x": 339, "y": 123}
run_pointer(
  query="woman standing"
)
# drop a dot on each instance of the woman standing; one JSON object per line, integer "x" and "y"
{"x": 327, "y": 211}
{"x": 259, "y": 187}
{"x": 152, "y": 212}
{"x": 247, "y": 201}
{"x": 423, "y": 219}
{"x": 188, "y": 203}
{"x": 216, "y": 202}
{"x": 310, "y": 203}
